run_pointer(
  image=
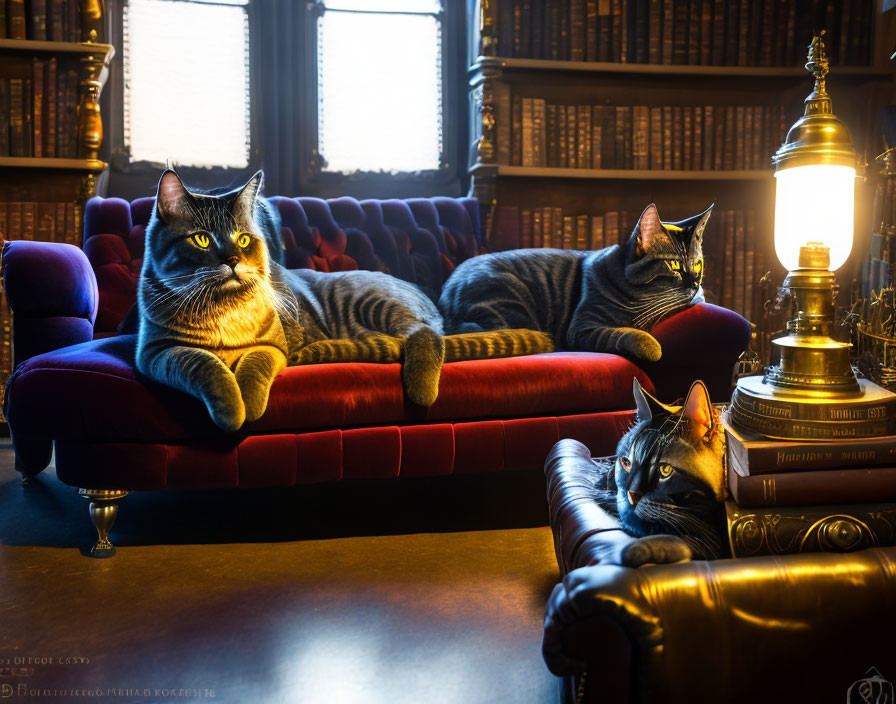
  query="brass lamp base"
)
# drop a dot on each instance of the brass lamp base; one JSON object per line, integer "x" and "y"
{"x": 761, "y": 407}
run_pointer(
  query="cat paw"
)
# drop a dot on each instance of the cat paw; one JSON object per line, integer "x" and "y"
{"x": 228, "y": 416}
{"x": 655, "y": 550}
{"x": 646, "y": 346}
{"x": 424, "y": 351}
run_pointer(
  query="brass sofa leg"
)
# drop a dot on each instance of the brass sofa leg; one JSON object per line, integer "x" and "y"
{"x": 103, "y": 510}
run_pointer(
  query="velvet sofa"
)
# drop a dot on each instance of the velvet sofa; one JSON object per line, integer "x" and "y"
{"x": 75, "y": 386}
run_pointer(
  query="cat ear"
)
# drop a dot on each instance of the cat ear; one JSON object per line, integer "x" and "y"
{"x": 170, "y": 193}
{"x": 697, "y": 406}
{"x": 649, "y": 227}
{"x": 701, "y": 224}
{"x": 646, "y": 404}
{"x": 245, "y": 199}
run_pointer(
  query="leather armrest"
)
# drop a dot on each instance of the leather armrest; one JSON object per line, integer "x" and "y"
{"x": 701, "y": 342}
{"x": 52, "y": 291}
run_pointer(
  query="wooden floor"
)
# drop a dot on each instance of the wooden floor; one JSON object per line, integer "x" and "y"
{"x": 425, "y": 592}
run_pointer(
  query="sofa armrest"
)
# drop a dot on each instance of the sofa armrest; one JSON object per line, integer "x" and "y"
{"x": 701, "y": 342}
{"x": 52, "y": 292}
{"x": 704, "y": 631}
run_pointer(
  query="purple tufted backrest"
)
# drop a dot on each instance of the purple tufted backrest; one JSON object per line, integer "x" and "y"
{"x": 420, "y": 240}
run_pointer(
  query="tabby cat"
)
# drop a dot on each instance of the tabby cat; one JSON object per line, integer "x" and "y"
{"x": 601, "y": 301}
{"x": 219, "y": 318}
{"x": 667, "y": 483}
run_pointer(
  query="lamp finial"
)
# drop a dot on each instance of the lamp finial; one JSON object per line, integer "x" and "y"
{"x": 818, "y": 101}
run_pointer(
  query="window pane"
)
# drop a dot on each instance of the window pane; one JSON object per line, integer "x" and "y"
{"x": 431, "y": 6}
{"x": 186, "y": 83}
{"x": 380, "y": 91}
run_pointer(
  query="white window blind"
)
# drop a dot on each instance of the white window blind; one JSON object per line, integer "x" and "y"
{"x": 380, "y": 85}
{"x": 186, "y": 82}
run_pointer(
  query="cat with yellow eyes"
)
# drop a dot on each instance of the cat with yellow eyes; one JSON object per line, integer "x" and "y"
{"x": 220, "y": 317}
{"x": 600, "y": 301}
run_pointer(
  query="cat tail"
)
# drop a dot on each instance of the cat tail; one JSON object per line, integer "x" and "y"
{"x": 496, "y": 343}
{"x": 382, "y": 349}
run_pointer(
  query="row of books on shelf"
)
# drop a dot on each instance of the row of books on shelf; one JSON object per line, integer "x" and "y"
{"x": 39, "y": 112}
{"x": 45, "y": 20}
{"x": 733, "y": 262}
{"x": 696, "y": 32}
{"x": 45, "y": 222}
{"x": 667, "y": 137}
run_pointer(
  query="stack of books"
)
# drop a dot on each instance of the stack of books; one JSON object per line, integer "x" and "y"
{"x": 798, "y": 496}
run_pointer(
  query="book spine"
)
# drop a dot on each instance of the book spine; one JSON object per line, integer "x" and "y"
{"x": 45, "y": 227}
{"x": 677, "y": 135}
{"x": 539, "y": 137}
{"x": 644, "y": 137}
{"x": 536, "y": 50}
{"x": 554, "y": 21}
{"x": 656, "y": 138}
{"x": 562, "y": 147}
{"x": 50, "y": 109}
{"x": 526, "y": 228}
{"x": 692, "y": 35}
{"x": 697, "y": 156}
{"x": 604, "y": 29}
{"x": 591, "y": 30}
{"x": 572, "y": 131}
{"x": 28, "y": 220}
{"x": 17, "y": 116}
{"x": 501, "y": 92}
{"x": 517, "y": 28}
{"x": 37, "y": 106}
{"x": 516, "y": 131}
{"x": 596, "y": 137}
{"x": 15, "y": 18}
{"x": 772, "y": 457}
{"x": 718, "y": 32}
{"x": 3, "y": 32}
{"x": 687, "y": 157}
{"x": 740, "y": 253}
{"x": 528, "y": 134}
{"x": 4, "y": 116}
{"x": 55, "y": 20}
{"x": 60, "y": 227}
{"x": 627, "y": 134}
{"x": 814, "y": 487}
{"x": 537, "y": 230}
{"x": 737, "y": 161}
{"x": 750, "y": 264}
{"x": 581, "y": 232}
{"x": 706, "y": 32}
{"x": 641, "y": 32}
{"x": 577, "y": 30}
{"x": 583, "y": 122}
{"x": 743, "y": 32}
{"x": 551, "y": 129}
{"x": 564, "y": 30}
{"x": 597, "y": 232}
{"x": 708, "y": 132}
{"x": 507, "y": 230}
{"x": 668, "y": 32}
{"x": 667, "y": 138}
{"x": 547, "y": 227}
{"x": 619, "y": 31}
{"x": 608, "y": 128}
{"x": 680, "y": 39}
{"x": 569, "y": 232}
{"x": 766, "y": 44}
{"x": 38, "y": 19}
{"x": 655, "y": 31}
{"x": 14, "y": 221}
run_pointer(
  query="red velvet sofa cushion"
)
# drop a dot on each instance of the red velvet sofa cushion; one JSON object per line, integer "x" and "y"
{"x": 92, "y": 393}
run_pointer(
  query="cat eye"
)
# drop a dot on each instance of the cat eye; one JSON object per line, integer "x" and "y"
{"x": 674, "y": 266}
{"x": 665, "y": 470}
{"x": 199, "y": 239}
{"x": 626, "y": 463}
{"x": 243, "y": 239}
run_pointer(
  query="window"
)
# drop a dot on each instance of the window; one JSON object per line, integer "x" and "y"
{"x": 379, "y": 85}
{"x": 186, "y": 82}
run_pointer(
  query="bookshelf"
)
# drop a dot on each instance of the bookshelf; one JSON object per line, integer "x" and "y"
{"x": 52, "y": 71}
{"x": 693, "y": 125}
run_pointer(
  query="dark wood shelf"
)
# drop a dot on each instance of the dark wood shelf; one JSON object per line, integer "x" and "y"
{"x": 691, "y": 71}
{"x": 34, "y": 45}
{"x": 41, "y": 163}
{"x": 622, "y": 174}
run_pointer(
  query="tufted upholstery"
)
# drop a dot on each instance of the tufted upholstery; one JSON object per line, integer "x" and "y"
{"x": 420, "y": 240}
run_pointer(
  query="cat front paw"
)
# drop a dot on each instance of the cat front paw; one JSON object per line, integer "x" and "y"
{"x": 644, "y": 345}
{"x": 228, "y": 416}
{"x": 655, "y": 550}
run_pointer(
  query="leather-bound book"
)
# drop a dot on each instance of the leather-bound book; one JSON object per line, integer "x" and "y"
{"x": 15, "y": 19}
{"x": 537, "y": 233}
{"x": 597, "y": 232}
{"x": 572, "y": 132}
{"x": 697, "y": 157}
{"x": 641, "y": 32}
{"x": 608, "y": 137}
{"x": 3, "y": 31}
{"x": 668, "y": 32}
{"x": 705, "y": 32}
{"x": 783, "y": 530}
{"x": 708, "y": 135}
{"x": 745, "y": 126}
{"x": 13, "y": 221}
{"x": 507, "y": 229}
{"x": 618, "y": 32}
{"x": 539, "y": 136}
{"x": 749, "y": 263}
{"x": 501, "y": 93}
{"x": 526, "y": 229}
{"x": 564, "y": 30}
{"x": 681, "y": 36}
{"x": 781, "y": 11}
{"x": 37, "y": 19}
{"x": 17, "y": 117}
{"x": 581, "y": 232}
{"x": 792, "y": 52}
{"x": 577, "y": 30}
{"x": 743, "y": 32}
{"x": 551, "y": 128}
{"x": 517, "y": 28}
{"x": 821, "y": 486}
{"x": 693, "y": 30}
{"x": 45, "y": 225}
{"x": 687, "y": 141}
{"x": 604, "y": 30}
{"x": 537, "y": 41}
{"x": 562, "y": 131}
{"x": 553, "y": 12}
{"x": 627, "y": 135}
{"x": 619, "y": 158}
{"x": 740, "y": 258}
{"x": 591, "y": 29}
{"x": 656, "y": 137}
{"x": 611, "y": 228}
{"x": 37, "y": 106}
{"x": 60, "y": 223}
{"x": 516, "y": 130}
{"x": 754, "y": 32}
{"x": 655, "y": 31}
{"x": 528, "y": 133}
{"x": 526, "y": 29}
{"x": 547, "y": 227}
{"x": 718, "y": 32}
{"x": 767, "y": 41}
{"x": 596, "y": 137}
{"x": 569, "y": 232}
{"x": 732, "y": 16}
{"x": 50, "y": 109}
{"x": 668, "y": 163}
{"x": 4, "y": 116}
{"x": 505, "y": 28}
{"x": 677, "y": 127}
{"x": 557, "y": 227}
{"x": 731, "y": 137}
{"x": 28, "y": 116}
{"x": 29, "y": 218}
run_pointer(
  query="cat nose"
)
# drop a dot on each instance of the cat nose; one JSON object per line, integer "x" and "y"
{"x": 634, "y": 497}
{"x": 232, "y": 262}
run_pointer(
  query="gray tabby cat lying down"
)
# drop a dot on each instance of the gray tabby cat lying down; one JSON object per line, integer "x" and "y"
{"x": 601, "y": 301}
{"x": 219, "y": 319}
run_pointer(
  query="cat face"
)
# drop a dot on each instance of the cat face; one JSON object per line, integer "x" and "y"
{"x": 670, "y": 250}
{"x": 670, "y": 471}
{"x": 204, "y": 252}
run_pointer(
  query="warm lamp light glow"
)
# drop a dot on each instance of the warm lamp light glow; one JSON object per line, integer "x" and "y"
{"x": 814, "y": 204}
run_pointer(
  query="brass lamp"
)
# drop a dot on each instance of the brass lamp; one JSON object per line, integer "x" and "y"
{"x": 813, "y": 393}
